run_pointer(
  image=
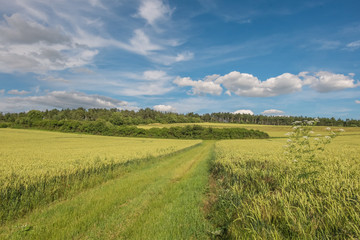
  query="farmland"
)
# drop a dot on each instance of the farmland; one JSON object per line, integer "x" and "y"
{"x": 38, "y": 167}
{"x": 262, "y": 195}
{"x": 135, "y": 188}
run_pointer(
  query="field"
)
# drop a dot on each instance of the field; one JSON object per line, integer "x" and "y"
{"x": 34, "y": 152}
{"x": 133, "y": 188}
{"x": 38, "y": 167}
{"x": 264, "y": 195}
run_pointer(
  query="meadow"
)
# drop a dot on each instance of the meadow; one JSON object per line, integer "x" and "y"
{"x": 38, "y": 167}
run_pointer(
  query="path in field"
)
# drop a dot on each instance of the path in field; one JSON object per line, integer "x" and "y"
{"x": 161, "y": 200}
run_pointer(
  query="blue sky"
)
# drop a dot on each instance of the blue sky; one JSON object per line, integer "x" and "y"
{"x": 271, "y": 57}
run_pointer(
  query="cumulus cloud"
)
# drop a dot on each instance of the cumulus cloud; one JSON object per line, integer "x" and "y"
{"x": 273, "y": 112}
{"x": 199, "y": 87}
{"x": 60, "y": 99}
{"x": 2, "y": 91}
{"x": 164, "y": 108}
{"x": 244, "y": 111}
{"x": 357, "y": 101}
{"x": 326, "y": 81}
{"x": 244, "y": 84}
{"x": 17, "y": 92}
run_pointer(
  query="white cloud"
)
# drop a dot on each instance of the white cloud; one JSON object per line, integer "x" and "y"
{"x": 141, "y": 43}
{"x": 273, "y": 112}
{"x": 60, "y": 99}
{"x": 196, "y": 104}
{"x": 244, "y": 84}
{"x": 153, "y": 11}
{"x": 164, "y": 108}
{"x": 326, "y": 81}
{"x": 244, "y": 111}
{"x": 354, "y": 45}
{"x": 171, "y": 59}
{"x": 357, "y": 101}
{"x": 156, "y": 75}
{"x": 40, "y": 36}
{"x": 17, "y": 92}
{"x": 53, "y": 79}
{"x": 82, "y": 70}
{"x": 151, "y": 82}
{"x": 199, "y": 87}
{"x": 2, "y": 91}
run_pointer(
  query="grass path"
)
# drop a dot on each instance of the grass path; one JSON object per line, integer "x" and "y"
{"x": 161, "y": 200}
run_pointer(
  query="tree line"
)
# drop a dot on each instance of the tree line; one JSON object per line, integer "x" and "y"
{"x": 102, "y": 127}
{"x": 148, "y": 116}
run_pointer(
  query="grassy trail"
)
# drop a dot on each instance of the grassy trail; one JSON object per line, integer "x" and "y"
{"x": 161, "y": 200}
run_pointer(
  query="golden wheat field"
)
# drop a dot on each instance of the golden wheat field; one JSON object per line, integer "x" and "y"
{"x": 39, "y": 167}
{"x": 31, "y": 152}
{"x": 268, "y": 196}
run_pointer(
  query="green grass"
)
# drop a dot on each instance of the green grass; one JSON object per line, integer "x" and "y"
{"x": 160, "y": 200}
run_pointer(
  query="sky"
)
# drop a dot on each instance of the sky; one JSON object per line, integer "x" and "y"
{"x": 271, "y": 57}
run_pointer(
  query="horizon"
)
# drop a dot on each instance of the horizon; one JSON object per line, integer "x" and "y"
{"x": 272, "y": 58}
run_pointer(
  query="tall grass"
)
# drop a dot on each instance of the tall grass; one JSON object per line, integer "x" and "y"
{"x": 262, "y": 196}
{"x": 40, "y": 167}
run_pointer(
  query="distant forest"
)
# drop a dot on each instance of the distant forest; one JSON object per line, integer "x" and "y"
{"x": 146, "y": 116}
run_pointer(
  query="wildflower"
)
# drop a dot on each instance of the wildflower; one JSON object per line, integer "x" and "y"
{"x": 295, "y": 127}
{"x": 341, "y": 130}
{"x": 295, "y": 160}
{"x": 328, "y": 129}
{"x": 306, "y": 137}
{"x": 289, "y": 134}
{"x": 327, "y": 137}
{"x": 311, "y": 132}
{"x": 297, "y": 122}
{"x": 316, "y": 139}
{"x": 289, "y": 140}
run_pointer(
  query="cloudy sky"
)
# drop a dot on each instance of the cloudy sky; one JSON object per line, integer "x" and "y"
{"x": 273, "y": 57}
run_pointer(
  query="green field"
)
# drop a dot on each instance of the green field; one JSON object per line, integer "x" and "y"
{"x": 72, "y": 186}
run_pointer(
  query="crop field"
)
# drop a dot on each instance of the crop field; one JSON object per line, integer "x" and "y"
{"x": 28, "y": 153}
{"x": 264, "y": 195}
{"x": 38, "y": 167}
{"x": 75, "y": 186}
